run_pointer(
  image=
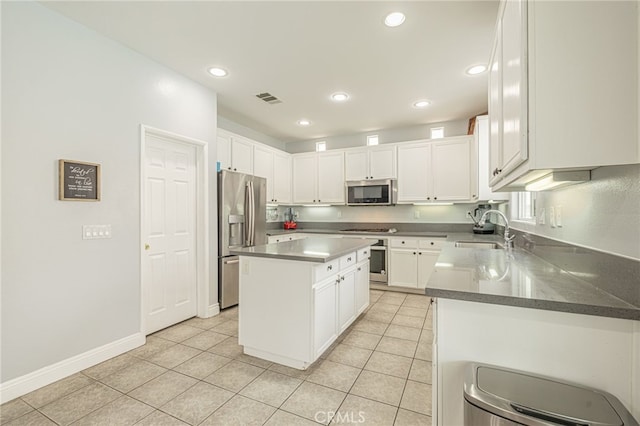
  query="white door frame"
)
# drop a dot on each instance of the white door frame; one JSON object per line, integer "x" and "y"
{"x": 202, "y": 216}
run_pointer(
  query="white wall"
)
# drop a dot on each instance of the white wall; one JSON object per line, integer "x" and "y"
{"x": 239, "y": 129}
{"x": 603, "y": 214}
{"x": 403, "y": 134}
{"x": 70, "y": 93}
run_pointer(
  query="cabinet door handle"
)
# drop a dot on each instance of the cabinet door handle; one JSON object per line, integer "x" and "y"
{"x": 349, "y": 259}
{"x": 428, "y": 198}
{"x": 330, "y": 267}
{"x": 420, "y": 253}
{"x": 359, "y": 269}
{"x": 364, "y": 252}
{"x": 342, "y": 278}
{"x": 403, "y": 242}
{"x": 318, "y": 200}
{"x": 414, "y": 252}
{"x": 435, "y": 198}
{"x": 431, "y": 243}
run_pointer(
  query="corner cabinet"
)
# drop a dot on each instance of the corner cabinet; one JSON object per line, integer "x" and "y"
{"x": 378, "y": 162}
{"x": 552, "y": 110}
{"x": 433, "y": 171}
{"x": 412, "y": 261}
{"x": 318, "y": 178}
{"x": 234, "y": 153}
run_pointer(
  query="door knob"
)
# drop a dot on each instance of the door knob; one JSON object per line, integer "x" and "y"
{"x": 147, "y": 247}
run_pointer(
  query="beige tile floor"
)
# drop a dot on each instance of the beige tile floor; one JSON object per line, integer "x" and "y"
{"x": 378, "y": 373}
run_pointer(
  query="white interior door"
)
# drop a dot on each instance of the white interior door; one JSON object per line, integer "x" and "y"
{"x": 169, "y": 228}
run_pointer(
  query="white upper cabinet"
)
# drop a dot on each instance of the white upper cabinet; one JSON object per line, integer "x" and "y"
{"x": 331, "y": 187}
{"x": 414, "y": 172}
{"x": 454, "y": 171}
{"x": 378, "y": 162}
{"x": 437, "y": 171}
{"x": 276, "y": 168}
{"x": 235, "y": 152}
{"x": 552, "y": 104}
{"x": 282, "y": 178}
{"x": 305, "y": 178}
{"x": 481, "y": 138}
{"x": 318, "y": 178}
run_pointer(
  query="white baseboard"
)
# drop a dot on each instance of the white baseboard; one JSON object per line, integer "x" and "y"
{"x": 29, "y": 382}
{"x": 212, "y": 310}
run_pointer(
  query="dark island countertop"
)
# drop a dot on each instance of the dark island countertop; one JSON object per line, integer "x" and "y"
{"x": 313, "y": 249}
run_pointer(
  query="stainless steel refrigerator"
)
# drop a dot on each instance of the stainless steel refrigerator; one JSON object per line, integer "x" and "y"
{"x": 242, "y": 217}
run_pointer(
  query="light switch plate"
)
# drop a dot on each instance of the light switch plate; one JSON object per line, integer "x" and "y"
{"x": 541, "y": 218}
{"x": 95, "y": 232}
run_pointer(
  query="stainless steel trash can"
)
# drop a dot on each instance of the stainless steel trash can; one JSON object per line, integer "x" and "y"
{"x": 496, "y": 396}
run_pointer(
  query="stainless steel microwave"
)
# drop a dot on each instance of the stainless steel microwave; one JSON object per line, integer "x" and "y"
{"x": 371, "y": 192}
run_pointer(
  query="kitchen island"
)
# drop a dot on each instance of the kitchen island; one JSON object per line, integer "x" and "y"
{"x": 297, "y": 297}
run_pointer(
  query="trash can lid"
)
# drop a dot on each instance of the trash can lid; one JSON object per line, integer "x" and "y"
{"x": 539, "y": 397}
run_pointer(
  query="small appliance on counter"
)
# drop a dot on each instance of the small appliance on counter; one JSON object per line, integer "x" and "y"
{"x": 289, "y": 220}
{"x": 488, "y": 228}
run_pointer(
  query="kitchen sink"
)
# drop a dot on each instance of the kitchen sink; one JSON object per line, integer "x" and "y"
{"x": 477, "y": 245}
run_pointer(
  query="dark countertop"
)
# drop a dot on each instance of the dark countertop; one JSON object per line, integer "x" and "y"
{"x": 515, "y": 277}
{"x": 518, "y": 278}
{"x": 312, "y": 249}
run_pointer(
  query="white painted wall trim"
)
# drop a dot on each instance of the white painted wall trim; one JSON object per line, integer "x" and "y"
{"x": 202, "y": 218}
{"x": 212, "y": 310}
{"x": 29, "y": 382}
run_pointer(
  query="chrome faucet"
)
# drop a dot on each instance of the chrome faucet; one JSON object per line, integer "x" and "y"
{"x": 508, "y": 240}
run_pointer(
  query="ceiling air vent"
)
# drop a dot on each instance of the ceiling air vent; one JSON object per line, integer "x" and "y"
{"x": 269, "y": 98}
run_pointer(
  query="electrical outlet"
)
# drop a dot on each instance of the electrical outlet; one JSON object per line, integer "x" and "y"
{"x": 339, "y": 214}
{"x": 559, "y": 216}
{"x": 416, "y": 214}
{"x": 541, "y": 218}
{"x": 552, "y": 217}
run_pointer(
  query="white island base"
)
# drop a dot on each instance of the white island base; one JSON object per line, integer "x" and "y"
{"x": 291, "y": 311}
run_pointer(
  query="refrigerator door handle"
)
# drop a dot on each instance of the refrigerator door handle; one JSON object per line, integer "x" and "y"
{"x": 252, "y": 197}
{"x": 249, "y": 205}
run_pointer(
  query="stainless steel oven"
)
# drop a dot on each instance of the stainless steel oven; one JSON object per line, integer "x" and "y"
{"x": 378, "y": 262}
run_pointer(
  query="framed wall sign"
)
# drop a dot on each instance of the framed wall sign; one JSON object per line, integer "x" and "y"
{"x": 79, "y": 181}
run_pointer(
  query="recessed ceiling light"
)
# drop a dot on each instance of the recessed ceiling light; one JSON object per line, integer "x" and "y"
{"x": 394, "y": 19}
{"x": 476, "y": 69}
{"x": 421, "y": 104}
{"x": 303, "y": 122}
{"x": 339, "y": 97}
{"x": 218, "y": 72}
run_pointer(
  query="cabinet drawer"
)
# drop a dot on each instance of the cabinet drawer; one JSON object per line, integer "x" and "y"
{"x": 364, "y": 254}
{"x": 326, "y": 270}
{"x": 348, "y": 260}
{"x": 404, "y": 242}
{"x": 434, "y": 244}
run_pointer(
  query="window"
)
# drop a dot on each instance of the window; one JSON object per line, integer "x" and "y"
{"x": 437, "y": 132}
{"x": 321, "y": 146}
{"x": 524, "y": 206}
{"x": 372, "y": 140}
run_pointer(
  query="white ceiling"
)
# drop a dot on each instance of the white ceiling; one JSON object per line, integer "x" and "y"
{"x": 302, "y": 52}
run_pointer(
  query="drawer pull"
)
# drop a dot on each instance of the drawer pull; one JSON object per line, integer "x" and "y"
{"x": 330, "y": 267}
{"x": 431, "y": 243}
{"x": 349, "y": 259}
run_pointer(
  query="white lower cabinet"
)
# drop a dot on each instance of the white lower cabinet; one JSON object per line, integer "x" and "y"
{"x": 411, "y": 261}
{"x": 292, "y": 311}
{"x": 346, "y": 299}
{"x": 362, "y": 286}
{"x": 324, "y": 315}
